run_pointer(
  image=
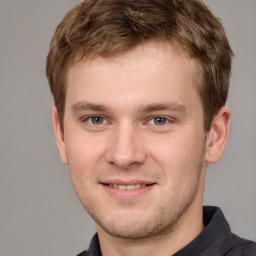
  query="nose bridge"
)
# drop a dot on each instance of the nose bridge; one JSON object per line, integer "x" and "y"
{"x": 126, "y": 147}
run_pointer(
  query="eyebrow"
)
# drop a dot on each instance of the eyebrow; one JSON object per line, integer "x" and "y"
{"x": 83, "y": 106}
{"x": 169, "y": 106}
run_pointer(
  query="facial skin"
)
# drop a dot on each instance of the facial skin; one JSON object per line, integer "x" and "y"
{"x": 136, "y": 120}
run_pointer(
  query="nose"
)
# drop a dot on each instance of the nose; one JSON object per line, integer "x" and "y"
{"x": 126, "y": 148}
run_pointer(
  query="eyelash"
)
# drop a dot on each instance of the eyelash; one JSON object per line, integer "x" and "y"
{"x": 163, "y": 118}
{"x": 91, "y": 118}
{"x": 153, "y": 118}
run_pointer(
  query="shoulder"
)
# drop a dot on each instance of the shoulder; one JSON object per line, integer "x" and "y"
{"x": 84, "y": 253}
{"x": 245, "y": 248}
{"x": 94, "y": 248}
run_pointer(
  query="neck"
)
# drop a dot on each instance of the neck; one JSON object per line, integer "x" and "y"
{"x": 182, "y": 234}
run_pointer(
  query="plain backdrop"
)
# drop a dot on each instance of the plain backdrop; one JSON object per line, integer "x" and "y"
{"x": 39, "y": 212}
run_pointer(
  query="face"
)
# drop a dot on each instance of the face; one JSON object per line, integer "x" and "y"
{"x": 134, "y": 140}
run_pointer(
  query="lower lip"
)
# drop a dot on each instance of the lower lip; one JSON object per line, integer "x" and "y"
{"x": 127, "y": 194}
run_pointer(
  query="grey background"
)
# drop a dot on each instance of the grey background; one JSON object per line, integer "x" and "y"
{"x": 39, "y": 212}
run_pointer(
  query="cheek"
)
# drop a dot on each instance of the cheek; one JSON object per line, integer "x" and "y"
{"x": 172, "y": 149}
{"x": 83, "y": 154}
{"x": 81, "y": 161}
{"x": 178, "y": 156}
{"x": 83, "y": 149}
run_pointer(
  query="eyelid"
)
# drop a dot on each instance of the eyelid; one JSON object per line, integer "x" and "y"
{"x": 106, "y": 120}
{"x": 88, "y": 117}
{"x": 168, "y": 119}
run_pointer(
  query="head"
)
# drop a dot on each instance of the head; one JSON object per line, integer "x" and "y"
{"x": 110, "y": 28}
{"x": 139, "y": 90}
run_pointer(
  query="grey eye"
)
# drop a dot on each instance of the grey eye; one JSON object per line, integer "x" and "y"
{"x": 96, "y": 120}
{"x": 160, "y": 120}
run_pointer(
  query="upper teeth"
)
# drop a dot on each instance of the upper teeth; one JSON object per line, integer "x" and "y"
{"x": 123, "y": 187}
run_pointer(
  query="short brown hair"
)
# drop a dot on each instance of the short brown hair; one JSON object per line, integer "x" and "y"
{"x": 111, "y": 27}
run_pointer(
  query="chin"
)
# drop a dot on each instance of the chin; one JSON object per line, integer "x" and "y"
{"x": 138, "y": 228}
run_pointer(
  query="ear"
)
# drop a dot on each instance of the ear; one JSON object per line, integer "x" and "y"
{"x": 59, "y": 135}
{"x": 218, "y": 135}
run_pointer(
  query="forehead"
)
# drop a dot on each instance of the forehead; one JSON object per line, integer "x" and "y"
{"x": 164, "y": 51}
{"x": 151, "y": 70}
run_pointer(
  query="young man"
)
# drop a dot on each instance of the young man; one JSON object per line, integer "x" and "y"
{"x": 140, "y": 90}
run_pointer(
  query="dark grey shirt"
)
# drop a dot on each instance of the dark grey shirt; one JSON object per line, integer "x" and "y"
{"x": 215, "y": 240}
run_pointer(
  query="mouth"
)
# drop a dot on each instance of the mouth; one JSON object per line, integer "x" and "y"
{"x": 129, "y": 190}
{"x": 127, "y": 187}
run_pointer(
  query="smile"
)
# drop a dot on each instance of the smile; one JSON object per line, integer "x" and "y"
{"x": 127, "y": 187}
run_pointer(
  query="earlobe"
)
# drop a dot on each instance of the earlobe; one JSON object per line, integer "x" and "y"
{"x": 218, "y": 135}
{"x": 59, "y": 136}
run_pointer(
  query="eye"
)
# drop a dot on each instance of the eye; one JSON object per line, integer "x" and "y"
{"x": 96, "y": 120}
{"x": 158, "y": 120}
